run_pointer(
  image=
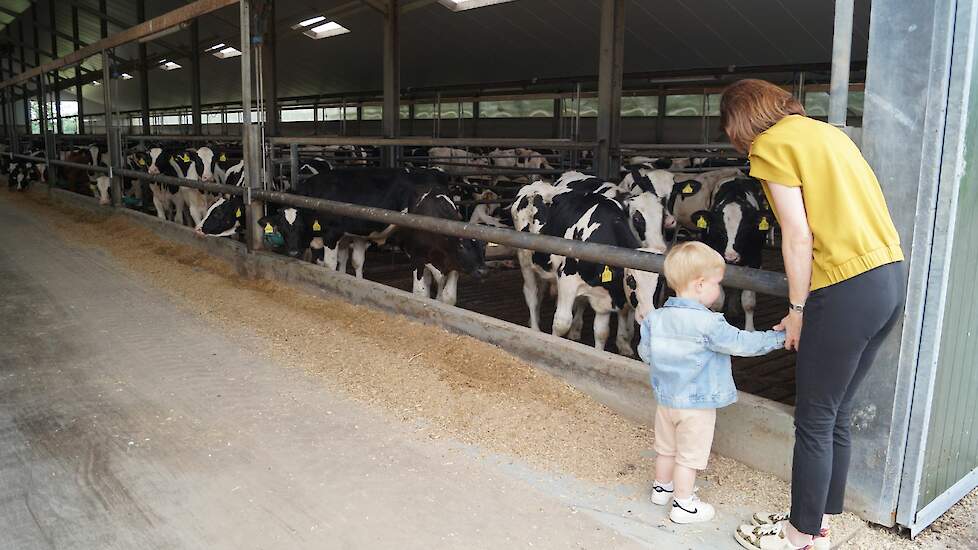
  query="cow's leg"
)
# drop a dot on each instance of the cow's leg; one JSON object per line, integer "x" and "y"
{"x": 602, "y": 327}
{"x": 160, "y": 205}
{"x": 748, "y": 299}
{"x": 626, "y": 330}
{"x": 564, "y": 314}
{"x": 531, "y": 292}
{"x": 577, "y": 325}
{"x": 178, "y": 205}
{"x": 360, "y": 247}
{"x": 331, "y": 247}
{"x": 422, "y": 282}
{"x": 448, "y": 288}
{"x": 342, "y": 255}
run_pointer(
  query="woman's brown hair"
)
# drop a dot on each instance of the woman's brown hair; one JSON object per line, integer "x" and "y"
{"x": 749, "y": 107}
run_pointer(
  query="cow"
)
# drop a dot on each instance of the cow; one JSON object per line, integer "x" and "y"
{"x": 585, "y": 214}
{"x": 161, "y": 162}
{"x": 20, "y": 174}
{"x": 388, "y": 188}
{"x": 439, "y": 257}
{"x": 721, "y": 204}
{"x": 225, "y": 217}
{"x": 457, "y": 162}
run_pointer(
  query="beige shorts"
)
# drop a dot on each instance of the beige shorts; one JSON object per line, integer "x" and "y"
{"x": 686, "y": 434}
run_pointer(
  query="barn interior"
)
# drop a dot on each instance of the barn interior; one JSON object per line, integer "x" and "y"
{"x": 513, "y": 71}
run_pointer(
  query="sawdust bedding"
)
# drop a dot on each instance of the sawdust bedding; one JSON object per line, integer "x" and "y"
{"x": 454, "y": 385}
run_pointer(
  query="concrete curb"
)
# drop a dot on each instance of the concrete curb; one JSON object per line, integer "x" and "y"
{"x": 755, "y": 431}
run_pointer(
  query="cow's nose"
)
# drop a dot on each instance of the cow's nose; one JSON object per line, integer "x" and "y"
{"x": 732, "y": 256}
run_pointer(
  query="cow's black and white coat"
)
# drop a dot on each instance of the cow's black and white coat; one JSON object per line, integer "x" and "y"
{"x": 578, "y": 207}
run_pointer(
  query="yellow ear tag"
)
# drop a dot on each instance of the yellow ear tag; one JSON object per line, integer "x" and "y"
{"x": 764, "y": 225}
{"x": 223, "y": 157}
{"x": 688, "y": 189}
{"x": 269, "y": 228}
{"x": 606, "y": 275}
{"x": 237, "y": 213}
{"x": 142, "y": 162}
{"x": 701, "y": 223}
{"x": 316, "y": 226}
{"x": 186, "y": 157}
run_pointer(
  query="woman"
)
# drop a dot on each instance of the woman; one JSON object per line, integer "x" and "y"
{"x": 843, "y": 260}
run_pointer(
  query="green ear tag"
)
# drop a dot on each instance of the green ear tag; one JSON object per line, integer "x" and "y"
{"x": 269, "y": 228}
{"x": 186, "y": 157}
{"x": 764, "y": 225}
{"x": 701, "y": 222}
{"x": 142, "y": 162}
{"x": 606, "y": 275}
{"x": 237, "y": 213}
{"x": 688, "y": 190}
{"x": 223, "y": 157}
{"x": 316, "y": 226}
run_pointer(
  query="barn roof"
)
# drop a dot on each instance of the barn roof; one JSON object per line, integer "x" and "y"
{"x": 515, "y": 41}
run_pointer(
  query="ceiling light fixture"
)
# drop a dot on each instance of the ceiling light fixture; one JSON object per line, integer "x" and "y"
{"x": 216, "y": 47}
{"x": 462, "y": 5}
{"x": 125, "y": 76}
{"x": 227, "y": 52}
{"x": 326, "y": 30}
{"x": 309, "y": 22}
{"x": 169, "y": 65}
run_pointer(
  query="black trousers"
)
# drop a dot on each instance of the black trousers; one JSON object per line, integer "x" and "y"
{"x": 844, "y": 326}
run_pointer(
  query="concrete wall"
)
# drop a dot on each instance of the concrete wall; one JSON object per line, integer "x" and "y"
{"x": 754, "y": 430}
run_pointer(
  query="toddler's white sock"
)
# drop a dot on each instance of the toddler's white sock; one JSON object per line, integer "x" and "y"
{"x": 666, "y": 486}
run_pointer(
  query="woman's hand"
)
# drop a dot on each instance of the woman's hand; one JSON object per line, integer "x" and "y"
{"x": 791, "y": 324}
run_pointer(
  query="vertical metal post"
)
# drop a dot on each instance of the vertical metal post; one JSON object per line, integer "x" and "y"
{"x": 436, "y": 123}
{"x": 23, "y": 67}
{"x": 392, "y": 79}
{"x": 56, "y": 85}
{"x": 270, "y": 72}
{"x": 294, "y": 164}
{"x": 195, "y": 125}
{"x": 253, "y": 210}
{"x": 42, "y": 114}
{"x": 557, "y": 127}
{"x": 705, "y": 117}
{"x": 78, "y": 74}
{"x": 111, "y": 136}
{"x": 841, "y": 50}
{"x": 609, "y": 85}
{"x": 660, "y": 116}
{"x": 800, "y": 87}
{"x": 143, "y": 72}
{"x": 476, "y": 115}
{"x": 103, "y": 21}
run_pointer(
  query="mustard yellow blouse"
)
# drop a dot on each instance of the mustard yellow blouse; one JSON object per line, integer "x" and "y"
{"x": 851, "y": 225}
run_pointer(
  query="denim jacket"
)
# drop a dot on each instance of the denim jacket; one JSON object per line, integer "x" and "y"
{"x": 688, "y": 348}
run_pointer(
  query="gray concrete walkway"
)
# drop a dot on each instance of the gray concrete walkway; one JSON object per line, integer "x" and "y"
{"x": 126, "y": 422}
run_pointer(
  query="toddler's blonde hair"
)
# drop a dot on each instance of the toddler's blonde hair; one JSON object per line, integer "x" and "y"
{"x": 689, "y": 261}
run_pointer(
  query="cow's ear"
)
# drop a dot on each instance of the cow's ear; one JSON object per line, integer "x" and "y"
{"x": 702, "y": 219}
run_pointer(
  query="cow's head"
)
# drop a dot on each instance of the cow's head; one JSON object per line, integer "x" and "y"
{"x": 139, "y": 160}
{"x": 186, "y": 163}
{"x": 158, "y": 159}
{"x": 206, "y": 164}
{"x": 223, "y": 218}
{"x": 640, "y": 287}
{"x": 647, "y": 218}
{"x": 737, "y": 225}
{"x": 101, "y": 190}
{"x": 288, "y": 231}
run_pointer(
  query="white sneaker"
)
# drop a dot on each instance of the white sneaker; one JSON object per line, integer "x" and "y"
{"x": 660, "y": 495}
{"x": 822, "y": 541}
{"x": 693, "y": 510}
{"x": 766, "y": 537}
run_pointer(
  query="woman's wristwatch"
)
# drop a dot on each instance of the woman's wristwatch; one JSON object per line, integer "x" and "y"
{"x": 797, "y": 308}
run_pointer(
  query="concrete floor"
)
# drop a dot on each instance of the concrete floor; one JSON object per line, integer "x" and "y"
{"x": 126, "y": 422}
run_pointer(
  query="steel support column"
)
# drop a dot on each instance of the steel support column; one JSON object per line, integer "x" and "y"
{"x": 23, "y": 67}
{"x": 609, "y": 86}
{"x": 111, "y": 134}
{"x": 253, "y": 210}
{"x": 270, "y": 72}
{"x": 56, "y": 85}
{"x": 392, "y": 79}
{"x": 143, "y": 71}
{"x": 841, "y": 51}
{"x": 195, "y": 127}
{"x": 79, "y": 98}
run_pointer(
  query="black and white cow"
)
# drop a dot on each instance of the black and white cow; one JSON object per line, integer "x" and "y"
{"x": 440, "y": 258}
{"x": 586, "y": 214}
{"x": 224, "y": 217}
{"x": 21, "y": 173}
{"x": 388, "y": 188}
{"x": 726, "y": 210}
{"x": 162, "y": 162}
